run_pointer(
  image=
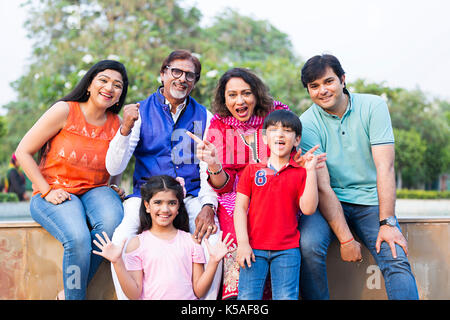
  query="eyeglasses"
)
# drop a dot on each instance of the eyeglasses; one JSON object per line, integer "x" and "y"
{"x": 177, "y": 73}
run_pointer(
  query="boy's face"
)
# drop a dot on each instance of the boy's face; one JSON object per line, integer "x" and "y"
{"x": 328, "y": 92}
{"x": 281, "y": 140}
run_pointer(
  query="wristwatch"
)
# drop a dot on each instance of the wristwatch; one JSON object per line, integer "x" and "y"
{"x": 390, "y": 221}
{"x": 209, "y": 205}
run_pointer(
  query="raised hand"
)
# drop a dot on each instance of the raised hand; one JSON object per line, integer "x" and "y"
{"x": 206, "y": 151}
{"x": 302, "y": 159}
{"x": 221, "y": 248}
{"x": 130, "y": 115}
{"x": 108, "y": 249}
{"x": 310, "y": 161}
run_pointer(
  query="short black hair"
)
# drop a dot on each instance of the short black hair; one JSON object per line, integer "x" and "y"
{"x": 287, "y": 119}
{"x": 316, "y": 67}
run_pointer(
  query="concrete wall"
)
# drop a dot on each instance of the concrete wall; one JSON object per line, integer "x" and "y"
{"x": 31, "y": 265}
{"x": 31, "y": 260}
{"x": 428, "y": 254}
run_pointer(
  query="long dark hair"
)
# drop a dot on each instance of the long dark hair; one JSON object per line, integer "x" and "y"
{"x": 80, "y": 93}
{"x": 264, "y": 102}
{"x": 154, "y": 185}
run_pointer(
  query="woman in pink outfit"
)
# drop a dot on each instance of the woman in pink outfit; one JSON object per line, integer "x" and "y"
{"x": 234, "y": 139}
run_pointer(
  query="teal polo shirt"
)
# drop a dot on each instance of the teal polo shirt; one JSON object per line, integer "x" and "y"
{"x": 348, "y": 143}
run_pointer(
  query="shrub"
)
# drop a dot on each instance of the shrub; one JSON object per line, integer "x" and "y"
{"x": 9, "y": 197}
{"x": 422, "y": 194}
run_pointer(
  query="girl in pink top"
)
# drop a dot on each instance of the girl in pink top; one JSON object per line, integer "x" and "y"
{"x": 163, "y": 262}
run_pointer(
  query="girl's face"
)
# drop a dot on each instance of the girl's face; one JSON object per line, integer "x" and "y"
{"x": 239, "y": 99}
{"x": 163, "y": 208}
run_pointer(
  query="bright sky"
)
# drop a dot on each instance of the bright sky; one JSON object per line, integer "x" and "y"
{"x": 405, "y": 43}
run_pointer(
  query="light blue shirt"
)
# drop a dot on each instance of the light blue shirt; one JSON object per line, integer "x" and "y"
{"x": 348, "y": 143}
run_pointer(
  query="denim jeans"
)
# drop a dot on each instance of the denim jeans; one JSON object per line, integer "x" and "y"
{"x": 74, "y": 223}
{"x": 284, "y": 274}
{"x": 316, "y": 235}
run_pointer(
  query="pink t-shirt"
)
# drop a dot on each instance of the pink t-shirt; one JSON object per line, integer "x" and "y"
{"x": 167, "y": 265}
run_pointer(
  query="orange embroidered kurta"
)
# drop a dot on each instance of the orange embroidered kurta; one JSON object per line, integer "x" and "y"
{"x": 75, "y": 160}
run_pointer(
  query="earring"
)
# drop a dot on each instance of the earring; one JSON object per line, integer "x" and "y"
{"x": 88, "y": 93}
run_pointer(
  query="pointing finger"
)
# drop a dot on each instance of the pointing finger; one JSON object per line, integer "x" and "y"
{"x": 194, "y": 137}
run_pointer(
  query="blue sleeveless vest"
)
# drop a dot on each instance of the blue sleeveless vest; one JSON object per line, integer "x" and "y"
{"x": 164, "y": 147}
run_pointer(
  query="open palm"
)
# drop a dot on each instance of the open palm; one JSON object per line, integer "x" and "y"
{"x": 108, "y": 249}
{"x": 221, "y": 248}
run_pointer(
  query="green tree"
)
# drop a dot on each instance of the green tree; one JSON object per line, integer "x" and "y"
{"x": 412, "y": 110}
{"x": 69, "y": 36}
{"x": 409, "y": 158}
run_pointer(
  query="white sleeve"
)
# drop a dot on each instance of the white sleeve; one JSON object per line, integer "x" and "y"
{"x": 206, "y": 193}
{"x": 121, "y": 149}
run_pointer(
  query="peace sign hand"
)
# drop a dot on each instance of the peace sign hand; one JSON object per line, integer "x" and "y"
{"x": 206, "y": 151}
{"x": 303, "y": 159}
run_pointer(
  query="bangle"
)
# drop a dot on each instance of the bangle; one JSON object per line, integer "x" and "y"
{"x": 114, "y": 186}
{"x": 348, "y": 241}
{"x": 217, "y": 172}
{"x": 45, "y": 194}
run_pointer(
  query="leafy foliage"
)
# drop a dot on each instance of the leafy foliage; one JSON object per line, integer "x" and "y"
{"x": 71, "y": 35}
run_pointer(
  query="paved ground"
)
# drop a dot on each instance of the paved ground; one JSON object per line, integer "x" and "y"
{"x": 412, "y": 207}
{"x": 404, "y": 208}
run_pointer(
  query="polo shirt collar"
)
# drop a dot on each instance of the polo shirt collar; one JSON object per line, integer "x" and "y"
{"x": 291, "y": 163}
{"x": 347, "y": 110}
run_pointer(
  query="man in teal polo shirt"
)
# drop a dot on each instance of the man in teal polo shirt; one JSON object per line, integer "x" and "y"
{"x": 357, "y": 185}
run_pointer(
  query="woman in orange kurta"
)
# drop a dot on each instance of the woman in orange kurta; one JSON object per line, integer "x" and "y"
{"x": 72, "y": 198}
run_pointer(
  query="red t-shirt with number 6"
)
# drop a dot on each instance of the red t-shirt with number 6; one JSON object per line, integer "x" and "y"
{"x": 274, "y": 204}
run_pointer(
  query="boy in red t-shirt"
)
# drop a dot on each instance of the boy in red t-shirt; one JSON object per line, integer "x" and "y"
{"x": 272, "y": 193}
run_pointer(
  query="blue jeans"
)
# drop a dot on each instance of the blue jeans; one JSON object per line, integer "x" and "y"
{"x": 74, "y": 223}
{"x": 284, "y": 274}
{"x": 316, "y": 235}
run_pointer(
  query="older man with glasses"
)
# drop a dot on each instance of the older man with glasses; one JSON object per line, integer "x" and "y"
{"x": 154, "y": 131}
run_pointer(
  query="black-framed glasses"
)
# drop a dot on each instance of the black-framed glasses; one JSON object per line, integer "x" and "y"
{"x": 177, "y": 73}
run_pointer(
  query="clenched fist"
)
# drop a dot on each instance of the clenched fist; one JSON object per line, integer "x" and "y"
{"x": 130, "y": 115}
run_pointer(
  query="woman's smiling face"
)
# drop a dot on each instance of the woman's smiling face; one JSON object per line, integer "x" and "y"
{"x": 106, "y": 88}
{"x": 239, "y": 99}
